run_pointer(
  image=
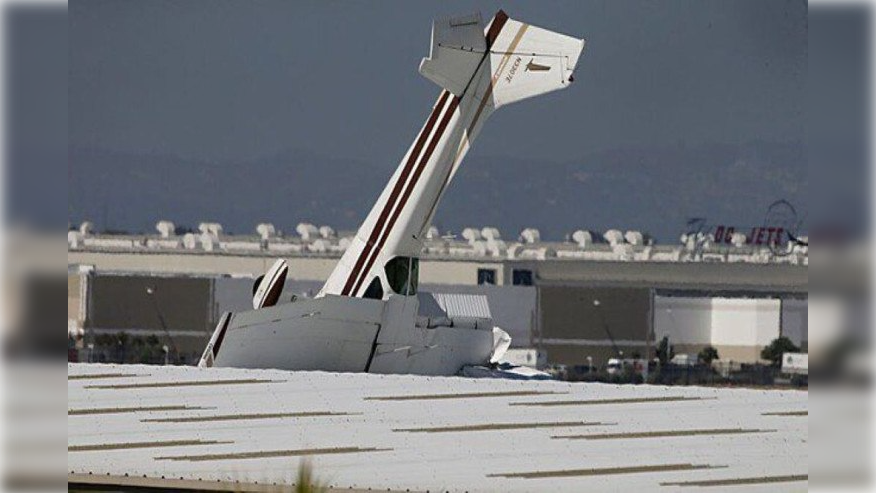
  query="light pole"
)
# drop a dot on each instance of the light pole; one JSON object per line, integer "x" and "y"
{"x": 91, "y": 352}
{"x": 150, "y": 291}
{"x": 166, "y": 354}
{"x": 598, "y": 307}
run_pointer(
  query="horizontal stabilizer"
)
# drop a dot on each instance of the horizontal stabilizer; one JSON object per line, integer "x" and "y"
{"x": 528, "y": 61}
{"x": 458, "y": 46}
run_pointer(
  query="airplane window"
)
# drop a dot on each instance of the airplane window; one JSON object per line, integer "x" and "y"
{"x": 403, "y": 273}
{"x": 375, "y": 290}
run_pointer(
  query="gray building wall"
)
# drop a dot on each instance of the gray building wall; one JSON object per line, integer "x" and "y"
{"x": 577, "y": 322}
{"x": 795, "y": 320}
{"x": 122, "y": 304}
{"x": 563, "y": 320}
{"x": 716, "y": 277}
{"x": 738, "y": 328}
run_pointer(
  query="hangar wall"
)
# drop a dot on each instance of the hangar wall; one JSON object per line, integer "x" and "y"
{"x": 795, "y": 321}
{"x": 75, "y": 303}
{"x": 122, "y": 303}
{"x": 683, "y": 320}
{"x": 738, "y": 328}
{"x": 568, "y": 323}
{"x": 577, "y": 322}
{"x": 742, "y": 327}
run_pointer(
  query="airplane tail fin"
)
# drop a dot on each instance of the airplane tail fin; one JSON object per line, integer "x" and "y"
{"x": 527, "y": 61}
{"x": 524, "y": 60}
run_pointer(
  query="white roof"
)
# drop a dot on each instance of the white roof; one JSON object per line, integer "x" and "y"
{"x": 403, "y": 432}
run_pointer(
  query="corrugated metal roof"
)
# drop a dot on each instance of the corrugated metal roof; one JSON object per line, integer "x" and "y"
{"x": 463, "y": 305}
{"x": 402, "y": 432}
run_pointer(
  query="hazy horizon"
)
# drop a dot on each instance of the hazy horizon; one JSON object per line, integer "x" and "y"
{"x": 679, "y": 109}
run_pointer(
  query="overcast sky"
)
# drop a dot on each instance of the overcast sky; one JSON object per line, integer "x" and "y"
{"x": 227, "y": 82}
{"x": 234, "y": 80}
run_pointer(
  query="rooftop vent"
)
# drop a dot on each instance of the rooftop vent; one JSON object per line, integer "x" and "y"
{"x": 165, "y": 228}
{"x": 307, "y": 231}
{"x": 479, "y": 248}
{"x": 614, "y": 237}
{"x": 327, "y": 232}
{"x": 207, "y": 241}
{"x": 266, "y": 231}
{"x": 85, "y": 228}
{"x": 74, "y": 238}
{"x": 496, "y": 248}
{"x": 634, "y": 238}
{"x": 212, "y": 229}
{"x": 583, "y": 238}
{"x": 471, "y": 235}
{"x": 538, "y": 253}
{"x": 319, "y": 246}
{"x": 432, "y": 233}
{"x": 530, "y": 235}
{"x": 190, "y": 242}
{"x": 490, "y": 233}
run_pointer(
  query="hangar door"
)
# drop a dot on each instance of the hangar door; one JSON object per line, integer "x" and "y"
{"x": 599, "y": 322}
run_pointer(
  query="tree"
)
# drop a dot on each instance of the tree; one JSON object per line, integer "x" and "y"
{"x": 665, "y": 352}
{"x": 708, "y": 354}
{"x": 780, "y": 345}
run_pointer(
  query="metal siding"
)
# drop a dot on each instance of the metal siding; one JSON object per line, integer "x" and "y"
{"x": 569, "y": 314}
{"x": 463, "y": 305}
{"x": 121, "y": 302}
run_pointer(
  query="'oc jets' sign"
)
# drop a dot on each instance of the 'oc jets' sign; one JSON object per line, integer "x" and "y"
{"x": 778, "y": 229}
{"x": 758, "y": 235}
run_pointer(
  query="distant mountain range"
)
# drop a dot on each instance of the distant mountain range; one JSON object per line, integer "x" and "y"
{"x": 654, "y": 190}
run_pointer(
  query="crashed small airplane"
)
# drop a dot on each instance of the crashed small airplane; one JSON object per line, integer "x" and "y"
{"x": 369, "y": 316}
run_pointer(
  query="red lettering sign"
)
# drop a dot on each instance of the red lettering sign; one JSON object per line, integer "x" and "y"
{"x": 759, "y": 235}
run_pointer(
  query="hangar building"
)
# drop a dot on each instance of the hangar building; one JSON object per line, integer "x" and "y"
{"x": 592, "y": 295}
